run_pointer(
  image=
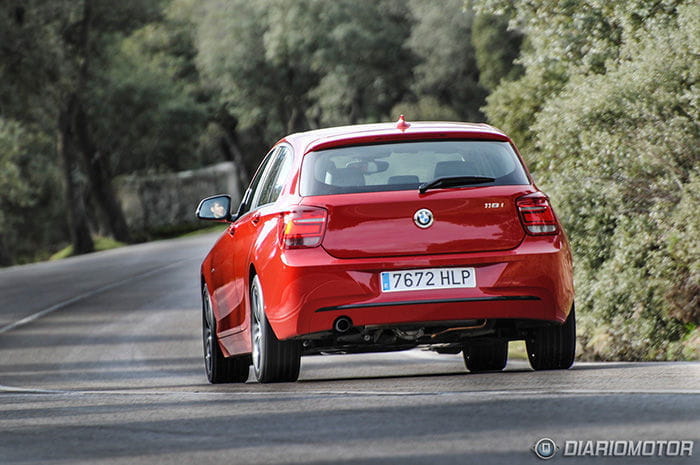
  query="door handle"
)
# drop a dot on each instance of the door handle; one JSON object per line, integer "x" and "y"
{"x": 231, "y": 230}
{"x": 256, "y": 219}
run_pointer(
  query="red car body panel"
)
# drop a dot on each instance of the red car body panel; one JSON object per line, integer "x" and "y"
{"x": 319, "y": 284}
{"x": 357, "y": 221}
{"x": 518, "y": 275}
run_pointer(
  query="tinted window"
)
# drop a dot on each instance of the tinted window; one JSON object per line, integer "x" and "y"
{"x": 246, "y": 203}
{"x": 406, "y": 165}
{"x": 272, "y": 185}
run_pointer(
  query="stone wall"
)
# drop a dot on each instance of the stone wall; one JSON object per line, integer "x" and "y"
{"x": 169, "y": 200}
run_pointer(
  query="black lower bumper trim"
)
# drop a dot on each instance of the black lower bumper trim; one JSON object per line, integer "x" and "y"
{"x": 430, "y": 301}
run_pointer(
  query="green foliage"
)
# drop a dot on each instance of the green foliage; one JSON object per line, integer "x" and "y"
{"x": 53, "y": 55}
{"x": 360, "y": 56}
{"x": 615, "y": 143}
{"x": 495, "y": 47}
{"x": 514, "y": 104}
{"x": 562, "y": 39}
{"x": 426, "y": 109}
{"x": 42, "y": 55}
{"x": 30, "y": 211}
{"x": 144, "y": 106}
{"x": 582, "y": 35}
{"x": 282, "y": 67}
{"x": 447, "y": 70}
{"x": 234, "y": 61}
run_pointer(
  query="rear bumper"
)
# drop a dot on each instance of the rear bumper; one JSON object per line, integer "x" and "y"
{"x": 311, "y": 289}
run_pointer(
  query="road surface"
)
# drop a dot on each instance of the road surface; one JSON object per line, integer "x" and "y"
{"x": 100, "y": 363}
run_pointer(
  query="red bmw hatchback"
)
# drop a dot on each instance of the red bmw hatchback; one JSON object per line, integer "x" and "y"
{"x": 386, "y": 237}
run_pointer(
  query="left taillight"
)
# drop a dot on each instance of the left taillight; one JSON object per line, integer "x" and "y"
{"x": 304, "y": 227}
{"x": 537, "y": 215}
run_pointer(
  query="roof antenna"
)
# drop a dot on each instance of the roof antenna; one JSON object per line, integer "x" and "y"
{"x": 402, "y": 124}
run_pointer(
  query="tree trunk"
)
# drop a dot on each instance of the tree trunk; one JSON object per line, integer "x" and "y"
{"x": 97, "y": 170}
{"x": 100, "y": 180}
{"x": 297, "y": 121}
{"x": 74, "y": 185}
{"x": 5, "y": 258}
{"x": 231, "y": 146}
{"x": 355, "y": 107}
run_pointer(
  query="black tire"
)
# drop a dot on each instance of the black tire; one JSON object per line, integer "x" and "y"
{"x": 274, "y": 361}
{"x": 553, "y": 347}
{"x": 485, "y": 355}
{"x": 219, "y": 369}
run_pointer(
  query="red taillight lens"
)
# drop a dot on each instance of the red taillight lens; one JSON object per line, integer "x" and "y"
{"x": 537, "y": 215}
{"x": 304, "y": 227}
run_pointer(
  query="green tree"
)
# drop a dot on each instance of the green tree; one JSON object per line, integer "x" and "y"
{"x": 146, "y": 105}
{"x": 362, "y": 58}
{"x": 279, "y": 67}
{"x": 51, "y": 53}
{"x": 623, "y": 161}
{"x": 34, "y": 69}
{"x": 578, "y": 37}
{"x": 426, "y": 108}
{"x": 607, "y": 113}
{"x": 31, "y": 217}
{"x": 232, "y": 54}
{"x": 496, "y": 47}
{"x": 447, "y": 70}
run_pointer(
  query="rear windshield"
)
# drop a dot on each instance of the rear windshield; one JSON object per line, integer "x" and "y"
{"x": 407, "y": 165}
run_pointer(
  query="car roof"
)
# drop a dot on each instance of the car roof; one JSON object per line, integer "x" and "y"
{"x": 385, "y": 132}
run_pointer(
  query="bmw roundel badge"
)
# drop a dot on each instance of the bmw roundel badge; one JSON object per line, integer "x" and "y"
{"x": 423, "y": 218}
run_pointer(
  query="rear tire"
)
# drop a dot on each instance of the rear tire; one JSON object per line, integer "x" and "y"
{"x": 219, "y": 369}
{"x": 553, "y": 347}
{"x": 488, "y": 355}
{"x": 274, "y": 361}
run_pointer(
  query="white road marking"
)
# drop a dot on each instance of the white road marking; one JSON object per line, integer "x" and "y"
{"x": 19, "y": 390}
{"x": 99, "y": 290}
{"x": 350, "y": 393}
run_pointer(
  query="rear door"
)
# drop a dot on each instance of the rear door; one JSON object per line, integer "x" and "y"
{"x": 248, "y": 232}
{"x": 231, "y": 253}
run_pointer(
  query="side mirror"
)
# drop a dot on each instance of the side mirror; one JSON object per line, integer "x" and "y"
{"x": 215, "y": 208}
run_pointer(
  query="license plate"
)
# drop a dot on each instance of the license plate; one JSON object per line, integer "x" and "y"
{"x": 429, "y": 278}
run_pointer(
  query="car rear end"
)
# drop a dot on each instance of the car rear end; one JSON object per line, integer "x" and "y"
{"x": 437, "y": 240}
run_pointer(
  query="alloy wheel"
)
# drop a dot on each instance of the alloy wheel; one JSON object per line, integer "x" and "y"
{"x": 257, "y": 307}
{"x": 208, "y": 334}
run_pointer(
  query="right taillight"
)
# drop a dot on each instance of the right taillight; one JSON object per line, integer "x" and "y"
{"x": 536, "y": 215}
{"x": 304, "y": 227}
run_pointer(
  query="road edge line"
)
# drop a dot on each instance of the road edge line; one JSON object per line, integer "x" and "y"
{"x": 35, "y": 316}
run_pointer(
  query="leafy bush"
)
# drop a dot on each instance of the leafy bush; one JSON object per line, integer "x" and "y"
{"x": 31, "y": 218}
{"x": 618, "y": 152}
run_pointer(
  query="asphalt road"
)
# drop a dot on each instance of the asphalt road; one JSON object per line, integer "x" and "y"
{"x": 100, "y": 362}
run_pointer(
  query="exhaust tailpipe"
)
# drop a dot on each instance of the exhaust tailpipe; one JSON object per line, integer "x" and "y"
{"x": 342, "y": 324}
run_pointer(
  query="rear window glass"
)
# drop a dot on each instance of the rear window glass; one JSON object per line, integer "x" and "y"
{"x": 407, "y": 165}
